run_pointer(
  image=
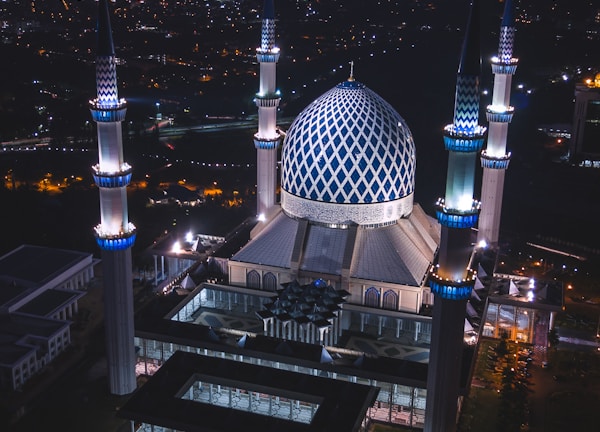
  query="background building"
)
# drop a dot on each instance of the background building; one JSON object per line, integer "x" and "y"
{"x": 39, "y": 293}
{"x": 585, "y": 137}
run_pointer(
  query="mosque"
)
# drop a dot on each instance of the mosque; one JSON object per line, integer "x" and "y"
{"x": 347, "y": 213}
{"x": 336, "y": 286}
{"x": 334, "y": 279}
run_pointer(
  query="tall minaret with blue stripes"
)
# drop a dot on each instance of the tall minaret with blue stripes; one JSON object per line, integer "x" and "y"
{"x": 115, "y": 234}
{"x": 494, "y": 158}
{"x": 267, "y": 139}
{"x": 452, "y": 279}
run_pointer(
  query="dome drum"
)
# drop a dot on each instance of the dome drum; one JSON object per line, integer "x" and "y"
{"x": 376, "y": 214}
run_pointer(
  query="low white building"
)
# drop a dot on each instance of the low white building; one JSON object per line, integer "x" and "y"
{"x": 39, "y": 292}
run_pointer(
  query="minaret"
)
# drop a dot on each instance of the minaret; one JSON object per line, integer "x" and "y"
{"x": 452, "y": 280}
{"x": 267, "y": 139}
{"x": 494, "y": 158}
{"x": 115, "y": 234}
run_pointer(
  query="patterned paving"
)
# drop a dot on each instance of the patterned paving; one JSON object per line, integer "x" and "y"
{"x": 389, "y": 349}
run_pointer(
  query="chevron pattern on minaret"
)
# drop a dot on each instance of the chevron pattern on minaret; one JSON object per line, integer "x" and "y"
{"x": 267, "y": 37}
{"x": 106, "y": 82}
{"x": 505, "y": 46}
{"x": 466, "y": 108}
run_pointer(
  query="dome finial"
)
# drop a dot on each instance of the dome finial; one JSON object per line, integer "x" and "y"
{"x": 351, "y": 77}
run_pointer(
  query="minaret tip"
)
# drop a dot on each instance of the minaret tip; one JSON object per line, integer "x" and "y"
{"x": 351, "y": 77}
{"x": 508, "y": 19}
{"x": 269, "y": 10}
{"x": 104, "y": 33}
{"x": 470, "y": 61}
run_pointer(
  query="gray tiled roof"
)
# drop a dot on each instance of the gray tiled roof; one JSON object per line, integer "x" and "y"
{"x": 390, "y": 255}
{"x": 400, "y": 253}
{"x": 274, "y": 244}
{"x": 324, "y": 250}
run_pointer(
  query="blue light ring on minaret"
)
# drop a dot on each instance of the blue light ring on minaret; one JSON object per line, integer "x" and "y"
{"x": 362, "y": 129}
{"x": 266, "y": 143}
{"x": 495, "y": 162}
{"x": 459, "y": 219}
{"x": 108, "y": 115}
{"x": 116, "y": 242}
{"x": 462, "y": 141}
{"x": 112, "y": 181}
{"x": 267, "y": 100}
{"x": 499, "y": 117}
{"x": 117, "y": 179}
{"x": 267, "y": 57}
{"x": 451, "y": 292}
{"x": 501, "y": 68}
{"x": 452, "y": 289}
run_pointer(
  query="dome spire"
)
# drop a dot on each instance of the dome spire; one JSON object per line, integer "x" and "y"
{"x": 351, "y": 77}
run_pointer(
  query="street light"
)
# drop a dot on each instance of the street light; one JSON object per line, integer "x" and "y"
{"x": 158, "y": 113}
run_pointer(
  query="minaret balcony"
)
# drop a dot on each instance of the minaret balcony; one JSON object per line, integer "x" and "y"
{"x": 116, "y": 179}
{"x": 455, "y": 218}
{"x": 269, "y": 100}
{"x": 504, "y": 66}
{"x": 464, "y": 141}
{"x": 115, "y": 241}
{"x": 108, "y": 113}
{"x": 267, "y": 143}
{"x": 499, "y": 114}
{"x": 494, "y": 162}
{"x": 267, "y": 55}
{"x": 452, "y": 289}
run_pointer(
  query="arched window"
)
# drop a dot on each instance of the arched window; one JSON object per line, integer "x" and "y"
{"x": 372, "y": 297}
{"x": 253, "y": 279}
{"x": 390, "y": 300}
{"x": 269, "y": 282}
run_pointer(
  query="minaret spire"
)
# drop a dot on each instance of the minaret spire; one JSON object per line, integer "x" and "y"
{"x": 104, "y": 31}
{"x": 267, "y": 139}
{"x": 494, "y": 158}
{"x": 452, "y": 280}
{"x": 115, "y": 234}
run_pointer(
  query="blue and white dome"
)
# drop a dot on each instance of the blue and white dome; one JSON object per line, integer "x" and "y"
{"x": 348, "y": 157}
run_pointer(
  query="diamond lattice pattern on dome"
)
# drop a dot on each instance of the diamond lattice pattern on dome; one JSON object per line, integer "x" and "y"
{"x": 349, "y": 147}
